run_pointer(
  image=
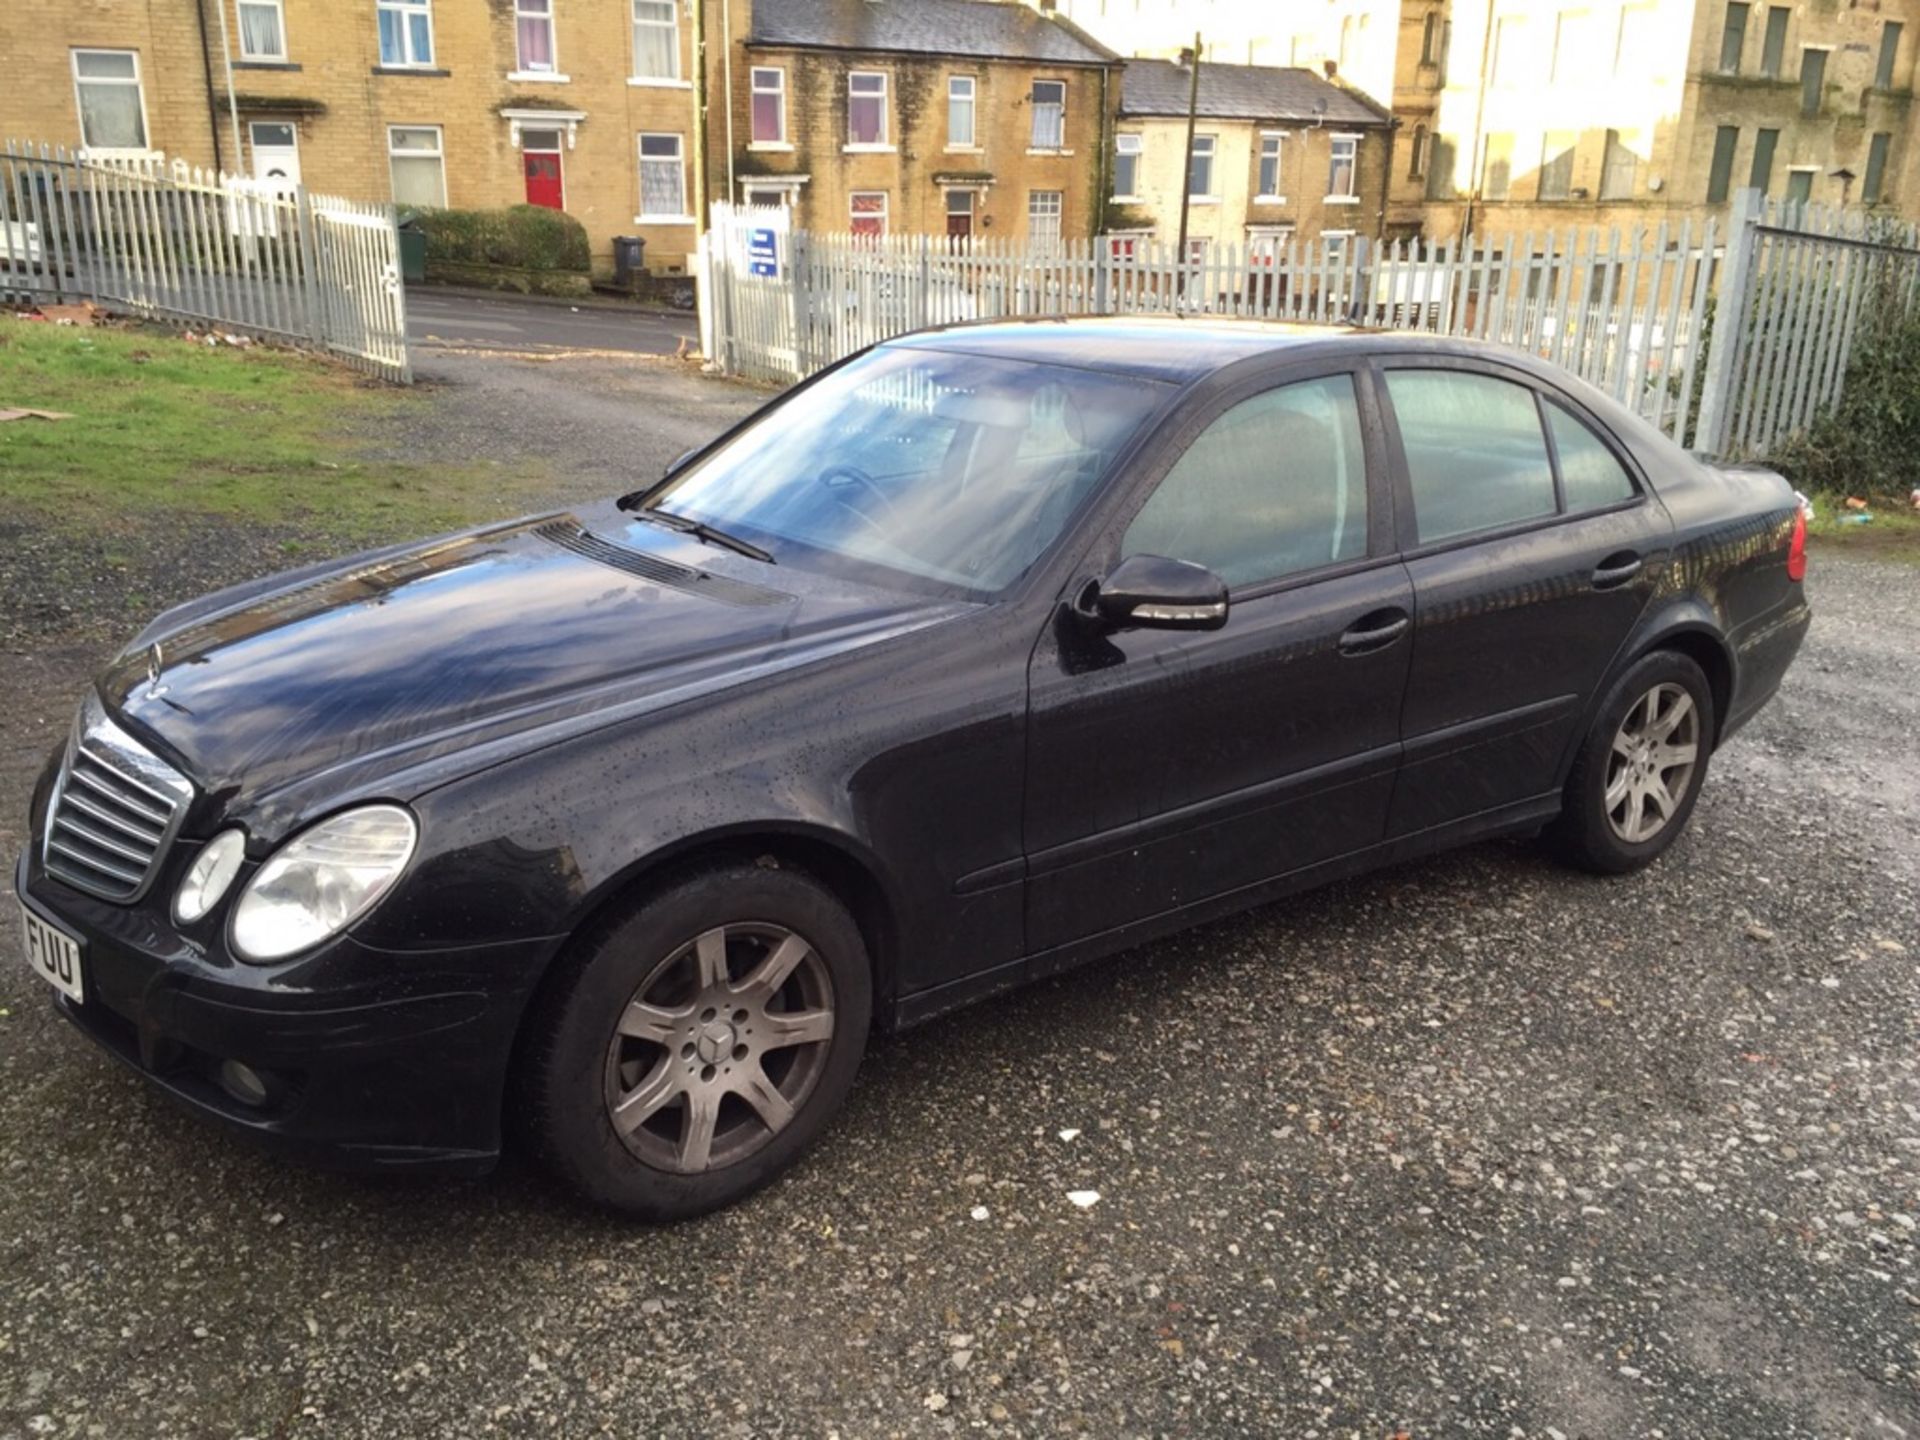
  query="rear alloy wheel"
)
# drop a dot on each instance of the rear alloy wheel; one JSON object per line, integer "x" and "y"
{"x": 1640, "y": 768}
{"x": 697, "y": 1042}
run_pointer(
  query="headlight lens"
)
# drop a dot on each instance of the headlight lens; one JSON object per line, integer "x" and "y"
{"x": 207, "y": 879}
{"x": 322, "y": 880}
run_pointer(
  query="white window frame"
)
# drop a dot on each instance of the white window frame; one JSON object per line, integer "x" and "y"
{"x": 522, "y": 71}
{"x": 1136, "y": 146}
{"x": 406, "y": 9}
{"x": 787, "y": 187}
{"x": 439, "y": 152}
{"x": 1058, "y": 213}
{"x": 1034, "y": 147}
{"x": 675, "y": 81}
{"x": 1277, "y": 139}
{"x": 1334, "y": 143}
{"x": 642, "y": 160}
{"x": 885, "y": 212}
{"x": 971, "y": 145}
{"x": 80, "y": 108}
{"x": 280, "y": 25}
{"x": 755, "y": 89}
{"x": 1212, "y": 144}
{"x": 885, "y": 96}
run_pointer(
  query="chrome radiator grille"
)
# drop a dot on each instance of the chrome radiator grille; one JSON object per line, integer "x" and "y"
{"x": 114, "y": 812}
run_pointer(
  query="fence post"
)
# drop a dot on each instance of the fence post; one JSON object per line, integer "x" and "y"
{"x": 309, "y": 279}
{"x": 1729, "y": 323}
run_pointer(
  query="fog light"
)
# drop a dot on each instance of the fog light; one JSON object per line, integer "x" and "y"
{"x": 243, "y": 1083}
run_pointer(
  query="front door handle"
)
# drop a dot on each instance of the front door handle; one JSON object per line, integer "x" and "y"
{"x": 1617, "y": 570}
{"x": 1375, "y": 631}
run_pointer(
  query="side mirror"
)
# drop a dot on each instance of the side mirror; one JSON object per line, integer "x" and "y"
{"x": 1155, "y": 593}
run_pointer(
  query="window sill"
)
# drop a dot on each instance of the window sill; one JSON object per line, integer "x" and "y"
{"x": 777, "y": 145}
{"x": 869, "y": 149}
{"x": 654, "y": 82}
{"x": 663, "y": 220}
{"x": 264, "y": 63}
{"x": 1342, "y": 200}
{"x": 538, "y": 77}
{"x": 964, "y": 150}
{"x": 1269, "y": 199}
{"x": 120, "y": 152}
{"x": 1203, "y": 199}
{"x": 419, "y": 71}
{"x": 1065, "y": 154}
{"x": 1127, "y": 200}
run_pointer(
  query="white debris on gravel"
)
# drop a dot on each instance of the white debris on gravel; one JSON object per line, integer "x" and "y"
{"x": 1085, "y": 1199}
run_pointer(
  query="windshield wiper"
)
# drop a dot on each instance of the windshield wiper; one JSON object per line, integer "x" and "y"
{"x": 700, "y": 530}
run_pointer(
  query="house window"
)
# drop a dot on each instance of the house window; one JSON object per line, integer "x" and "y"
{"x": 1760, "y": 175}
{"x": 1127, "y": 150}
{"x": 1440, "y": 160}
{"x": 1341, "y": 166}
{"x": 1556, "y": 166}
{"x": 1889, "y": 51}
{"x": 869, "y": 212}
{"x": 1634, "y": 55}
{"x": 418, "y": 165}
{"x": 1430, "y": 39}
{"x": 533, "y": 33}
{"x": 1720, "y": 177}
{"x": 866, "y": 108}
{"x": 1813, "y": 79}
{"x": 1871, "y": 187}
{"x": 656, "y": 39}
{"x": 406, "y": 33}
{"x": 1571, "y": 52}
{"x": 1270, "y": 167}
{"x": 960, "y": 207}
{"x": 1510, "y": 52}
{"x": 1049, "y": 114}
{"x": 1620, "y": 169}
{"x": 1496, "y": 177}
{"x": 1733, "y": 38}
{"x": 663, "y": 178}
{"x": 769, "y": 105}
{"x": 263, "y": 30}
{"x": 113, "y": 113}
{"x": 1773, "y": 48}
{"x": 1799, "y": 186}
{"x": 1043, "y": 215}
{"x": 960, "y": 97}
{"x": 1200, "y": 166}
{"x": 1416, "y": 162}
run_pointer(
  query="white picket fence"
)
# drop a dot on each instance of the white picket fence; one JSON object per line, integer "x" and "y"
{"x": 166, "y": 241}
{"x": 1627, "y": 311}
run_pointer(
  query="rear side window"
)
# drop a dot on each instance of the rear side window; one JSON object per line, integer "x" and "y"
{"x": 1588, "y": 470}
{"x": 1476, "y": 454}
{"x": 1274, "y": 486}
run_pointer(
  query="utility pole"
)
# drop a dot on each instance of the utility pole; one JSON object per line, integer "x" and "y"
{"x": 1186, "y": 183}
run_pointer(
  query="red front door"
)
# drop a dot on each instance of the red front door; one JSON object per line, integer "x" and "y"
{"x": 543, "y": 180}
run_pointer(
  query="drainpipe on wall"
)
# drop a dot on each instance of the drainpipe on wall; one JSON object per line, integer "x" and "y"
{"x": 1101, "y": 175}
{"x": 1186, "y": 171}
{"x": 233, "y": 105}
{"x": 1386, "y": 180}
{"x": 206, "y": 63}
{"x": 700, "y": 120}
{"x": 726, "y": 84}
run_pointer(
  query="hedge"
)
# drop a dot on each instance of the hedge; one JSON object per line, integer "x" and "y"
{"x": 521, "y": 237}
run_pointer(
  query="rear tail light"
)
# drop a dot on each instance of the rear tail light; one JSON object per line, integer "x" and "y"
{"x": 1797, "y": 549}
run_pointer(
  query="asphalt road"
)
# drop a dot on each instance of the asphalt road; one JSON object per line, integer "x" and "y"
{"x": 1474, "y": 1147}
{"x": 505, "y": 322}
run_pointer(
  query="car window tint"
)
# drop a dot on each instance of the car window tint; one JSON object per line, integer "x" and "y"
{"x": 1274, "y": 486}
{"x": 1588, "y": 470}
{"x": 1476, "y": 455}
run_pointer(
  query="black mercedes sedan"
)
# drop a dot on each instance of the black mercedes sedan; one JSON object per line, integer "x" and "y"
{"x": 990, "y": 651}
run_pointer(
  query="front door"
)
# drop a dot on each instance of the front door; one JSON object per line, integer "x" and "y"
{"x": 1167, "y": 767}
{"x": 1533, "y": 548}
{"x": 276, "y": 153}
{"x": 543, "y": 178}
{"x": 959, "y": 214}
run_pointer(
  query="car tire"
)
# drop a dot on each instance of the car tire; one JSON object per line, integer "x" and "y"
{"x": 654, "y": 1034}
{"x": 1660, "y": 710}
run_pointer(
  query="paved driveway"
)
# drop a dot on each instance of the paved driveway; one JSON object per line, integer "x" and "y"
{"x": 507, "y": 322}
{"x": 1474, "y": 1147}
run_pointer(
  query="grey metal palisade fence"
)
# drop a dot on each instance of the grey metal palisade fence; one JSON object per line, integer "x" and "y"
{"x": 1631, "y": 312}
{"x": 170, "y": 242}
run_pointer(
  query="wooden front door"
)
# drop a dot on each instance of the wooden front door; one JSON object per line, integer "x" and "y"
{"x": 543, "y": 179}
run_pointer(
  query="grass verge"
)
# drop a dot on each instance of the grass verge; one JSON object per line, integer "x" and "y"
{"x": 1892, "y": 534}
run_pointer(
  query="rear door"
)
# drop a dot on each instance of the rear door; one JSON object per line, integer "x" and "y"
{"x": 1166, "y": 768}
{"x": 1533, "y": 544}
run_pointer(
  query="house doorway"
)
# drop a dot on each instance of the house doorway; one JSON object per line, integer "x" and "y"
{"x": 960, "y": 213}
{"x": 276, "y": 153}
{"x": 540, "y": 157}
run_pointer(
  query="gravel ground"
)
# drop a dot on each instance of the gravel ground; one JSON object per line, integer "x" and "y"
{"x": 1473, "y": 1147}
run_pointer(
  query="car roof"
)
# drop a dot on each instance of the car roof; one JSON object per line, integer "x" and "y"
{"x": 1177, "y": 349}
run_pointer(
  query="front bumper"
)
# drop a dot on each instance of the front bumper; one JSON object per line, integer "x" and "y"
{"x": 374, "y": 1060}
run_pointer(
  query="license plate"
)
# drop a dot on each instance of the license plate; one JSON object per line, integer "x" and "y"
{"x": 54, "y": 955}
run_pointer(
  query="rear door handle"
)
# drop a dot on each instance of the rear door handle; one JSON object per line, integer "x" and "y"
{"x": 1375, "y": 632}
{"x": 1617, "y": 570}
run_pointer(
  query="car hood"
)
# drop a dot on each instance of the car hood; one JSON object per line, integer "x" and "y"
{"x": 334, "y": 681}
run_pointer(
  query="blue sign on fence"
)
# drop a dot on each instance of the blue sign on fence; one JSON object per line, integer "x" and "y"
{"x": 763, "y": 254}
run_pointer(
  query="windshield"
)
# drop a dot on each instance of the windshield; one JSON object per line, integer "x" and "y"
{"x": 954, "y": 468}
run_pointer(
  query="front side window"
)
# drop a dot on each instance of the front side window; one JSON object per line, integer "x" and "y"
{"x": 533, "y": 34}
{"x": 656, "y": 39}
{"x": 960, "y": 97}
{"x": 866, "y": 108}
{"x": 1043, "y": 215}
{"x": 1590, "y": 475}
{"x": 868, "y": 213}
{"x": 1200, "y": 166}
{"x": 769, "y": 105}
{"x": 1049, "y": 114}
{"x": 1275, "y": 486}
{"x": 663, "y": 180}
{"x": 406, "y": 33}
{"x": 263, "y": 30}
{"x": 113, "y": 115}
{"x": 418, "y": 165}
{"x": 1270, "y": 168}
{"x": 1341, "y": 167}
{"x": 1127, "y": 150}
{"x": 926, "y": 466}
{"x": 1476, "y": 455}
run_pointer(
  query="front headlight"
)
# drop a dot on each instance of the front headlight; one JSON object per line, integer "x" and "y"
{"x": 207, "y": 879}
{"x": 321, "y": 881}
